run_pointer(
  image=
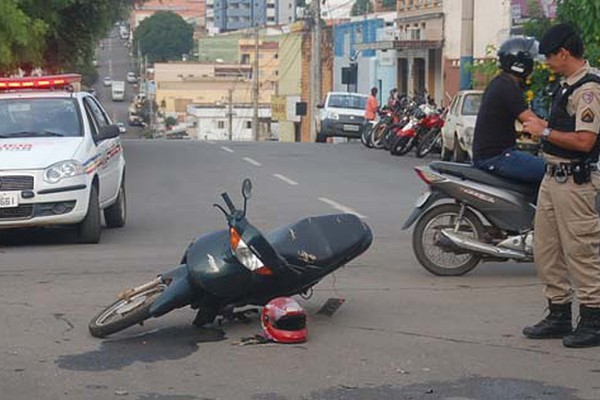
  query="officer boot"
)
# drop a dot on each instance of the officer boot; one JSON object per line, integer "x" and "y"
{"x": 557, "y": 323}
{"x": 587, "y": 333}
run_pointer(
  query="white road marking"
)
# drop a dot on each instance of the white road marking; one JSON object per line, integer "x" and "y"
{"x": 253, "y": 162}
{"x": 341, "y": 207}
{"x": 285, "y": 179}
{"x": 227, "y": 149}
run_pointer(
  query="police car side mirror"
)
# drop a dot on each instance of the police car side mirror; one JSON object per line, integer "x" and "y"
{"x": 108, "y": 132}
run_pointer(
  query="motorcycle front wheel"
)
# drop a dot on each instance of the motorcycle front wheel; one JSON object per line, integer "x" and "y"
{"x": 125, "y": 313}
{"x": 428, "y": 142}
{"x": 426, "y": 240}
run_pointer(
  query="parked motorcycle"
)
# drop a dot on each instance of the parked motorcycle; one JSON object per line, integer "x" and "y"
{"x": 432, "y": 140}
{"x": 469, "y": 216}
{"x": 411, "y": 134}
{"x": 240, "y": 266}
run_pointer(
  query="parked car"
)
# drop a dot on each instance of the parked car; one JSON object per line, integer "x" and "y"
{"x": 457, "y": 133}
{"x": 121, "y": 126}
{"x": 62, "y": 160}
{"x": 107, "y": 81}
{"x": 342, "y": 114}
{"x": 131, "y": 78}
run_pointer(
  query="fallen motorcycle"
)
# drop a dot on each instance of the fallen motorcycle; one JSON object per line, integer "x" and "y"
{"x": 240, "y": 266}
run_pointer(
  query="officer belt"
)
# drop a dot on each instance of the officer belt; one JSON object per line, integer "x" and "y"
{"x": 566, "y": 169}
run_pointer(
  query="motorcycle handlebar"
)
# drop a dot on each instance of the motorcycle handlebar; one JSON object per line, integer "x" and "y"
{"x": 228, "y": 202}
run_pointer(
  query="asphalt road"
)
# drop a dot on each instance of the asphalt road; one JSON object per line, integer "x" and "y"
{"x": 401, "y": 333}
{"x": 114, "y": 61}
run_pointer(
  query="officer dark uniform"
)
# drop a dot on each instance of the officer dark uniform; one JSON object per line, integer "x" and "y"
{"x": 567, "y": 224}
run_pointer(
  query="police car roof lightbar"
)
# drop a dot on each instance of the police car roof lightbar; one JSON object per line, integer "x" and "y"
{"x": 40, "y": 82}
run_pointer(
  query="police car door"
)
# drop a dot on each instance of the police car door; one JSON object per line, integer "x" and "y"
{"x": 107, "y": 167}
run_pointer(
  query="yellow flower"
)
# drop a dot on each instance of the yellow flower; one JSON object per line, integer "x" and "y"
{"x": 529, "y": 95}
{"x": 528, "y": 81}
{"x": 551, "y": 78}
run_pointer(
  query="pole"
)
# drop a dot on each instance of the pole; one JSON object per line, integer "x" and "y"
{"x": 466, "y": 44}
{"x": 315, "y": 93}
{"x": 255, "y": 91}
{"x": 230, "y": 114}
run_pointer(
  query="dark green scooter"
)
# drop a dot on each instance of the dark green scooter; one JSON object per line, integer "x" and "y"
{"x": 240, "y": 266}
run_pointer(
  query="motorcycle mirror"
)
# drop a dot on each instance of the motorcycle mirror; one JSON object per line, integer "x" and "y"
{"x": 247, "y": 189}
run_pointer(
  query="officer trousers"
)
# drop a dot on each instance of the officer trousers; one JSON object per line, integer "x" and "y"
{"x": 567, "y": 240}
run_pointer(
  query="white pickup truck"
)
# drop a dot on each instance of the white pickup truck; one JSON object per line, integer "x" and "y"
{"x": 118, "y": 90}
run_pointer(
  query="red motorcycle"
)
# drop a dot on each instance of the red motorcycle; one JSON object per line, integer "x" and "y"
{"x": 432, "y": 140}
{"x": 411, "y": 134}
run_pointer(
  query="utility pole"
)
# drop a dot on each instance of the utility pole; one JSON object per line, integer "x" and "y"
{"x": 255, "y": 91}
{"x": 315, "y": 92}
{"x": 466, "y": 44}
{"x": 230, "y": 114}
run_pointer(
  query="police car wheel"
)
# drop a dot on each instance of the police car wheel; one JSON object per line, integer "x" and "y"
{"x": 88, "y": 230}
{"x": 116, "y": 215}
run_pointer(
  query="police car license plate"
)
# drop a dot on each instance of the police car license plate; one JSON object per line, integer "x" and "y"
{"x": 9, "y": 199}
{"x": 351, "y": 128}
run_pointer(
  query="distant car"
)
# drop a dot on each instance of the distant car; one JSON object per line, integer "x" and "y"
{"x": 342, "y": 114}
{"x": 107, "y": 81}
{"x": 131, "y": 77}
{"x": 457, "y": 133}
{"x": 121, "y": 126}
{"x": 135, "y": 120}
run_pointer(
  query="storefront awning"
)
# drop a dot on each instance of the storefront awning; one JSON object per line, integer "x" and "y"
{"x": 401, "y": 45}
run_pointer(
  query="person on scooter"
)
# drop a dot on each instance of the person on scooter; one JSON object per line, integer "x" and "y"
{"x": 503, "y": 102}
{"x": 567, "y": 224}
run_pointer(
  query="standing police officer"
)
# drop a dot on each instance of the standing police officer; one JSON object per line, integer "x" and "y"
{"x": 567, "y": 224}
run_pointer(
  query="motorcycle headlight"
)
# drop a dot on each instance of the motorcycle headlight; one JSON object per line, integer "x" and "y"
{"x": 245, "y": 255}
{"x": 64, "y": 169}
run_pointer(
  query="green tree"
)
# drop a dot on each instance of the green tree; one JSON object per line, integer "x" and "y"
{"x": 538, "y": 22}
{"x": 164, "y": 36}
{"x": 361, "y": 7}
{"x": 58, "y": 35}
{"x": 22, "y": 37}
{"x": 584, "y": 14}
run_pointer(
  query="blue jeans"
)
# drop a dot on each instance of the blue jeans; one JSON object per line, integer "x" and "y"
{"x": 515, "y": 165}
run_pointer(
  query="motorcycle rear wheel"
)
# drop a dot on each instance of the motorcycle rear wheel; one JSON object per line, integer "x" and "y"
{"x": 124, "y": 313}
{"x": 446, "y": 263}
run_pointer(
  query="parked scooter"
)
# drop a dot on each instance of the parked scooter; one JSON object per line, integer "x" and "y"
{"x": 468, "y": 216}
{"x": 240, "y": 266}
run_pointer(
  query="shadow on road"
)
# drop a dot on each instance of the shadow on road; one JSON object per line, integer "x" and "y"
{"x": 165, "y": 344}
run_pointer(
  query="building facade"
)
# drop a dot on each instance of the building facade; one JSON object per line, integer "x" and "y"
{"x": 232, "y": 15}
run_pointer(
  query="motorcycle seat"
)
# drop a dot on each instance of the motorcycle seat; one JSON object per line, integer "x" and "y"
{"x": 469, "y": 172}
{"x": 324, "y": 241}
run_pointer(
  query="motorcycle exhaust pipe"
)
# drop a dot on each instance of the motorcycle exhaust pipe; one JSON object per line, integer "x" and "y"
{"x": 483, "y": 248}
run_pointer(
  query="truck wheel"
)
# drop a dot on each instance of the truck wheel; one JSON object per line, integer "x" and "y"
{"x": 116, "y": 215}
{"x": 88, "y": 230}
{"x": 321, "y": 138}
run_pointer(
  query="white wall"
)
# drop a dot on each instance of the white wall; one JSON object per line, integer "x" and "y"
{"x": 491, "y": 26}
{"x": 207, "y": 122}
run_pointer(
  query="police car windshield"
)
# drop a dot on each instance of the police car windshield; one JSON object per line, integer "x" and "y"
{"x": 39, "y": 117}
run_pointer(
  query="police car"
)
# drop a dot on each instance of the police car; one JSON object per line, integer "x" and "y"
{"x": 61, "y": 160}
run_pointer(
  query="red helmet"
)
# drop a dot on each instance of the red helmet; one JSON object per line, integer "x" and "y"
{"x": 284, "y": 321}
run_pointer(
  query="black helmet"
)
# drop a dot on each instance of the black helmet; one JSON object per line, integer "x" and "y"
{"x": 516, "y": 56}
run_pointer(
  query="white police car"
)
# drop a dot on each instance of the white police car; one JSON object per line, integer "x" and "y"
{"x": 61, "y": 160}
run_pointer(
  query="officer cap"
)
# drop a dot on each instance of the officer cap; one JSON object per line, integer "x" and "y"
{"x": 556, "y": 37}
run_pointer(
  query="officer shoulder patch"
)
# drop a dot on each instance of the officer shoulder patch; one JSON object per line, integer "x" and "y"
{"x": 588, "y": 116}
{"x": 588, "y": 97}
